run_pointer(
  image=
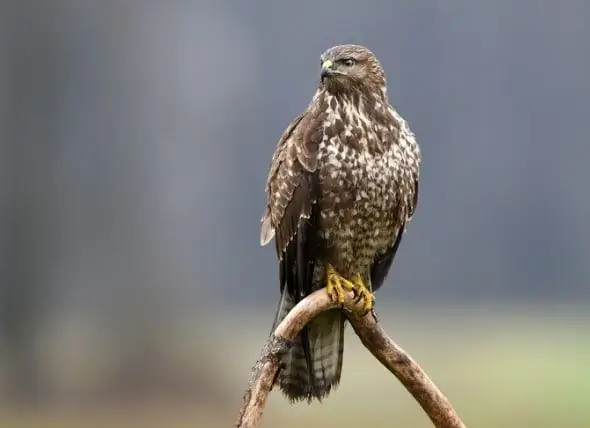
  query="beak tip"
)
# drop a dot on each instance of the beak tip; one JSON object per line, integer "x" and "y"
{"x": 326, "y": 72}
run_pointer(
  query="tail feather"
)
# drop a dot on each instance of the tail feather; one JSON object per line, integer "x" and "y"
{"x": 305, "y": 377}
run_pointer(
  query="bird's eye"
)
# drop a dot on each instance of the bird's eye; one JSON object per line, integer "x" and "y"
{"x": 349, "y": 62}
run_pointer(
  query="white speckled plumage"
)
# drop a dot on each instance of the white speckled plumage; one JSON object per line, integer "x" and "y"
{"x": 348, "y": 170}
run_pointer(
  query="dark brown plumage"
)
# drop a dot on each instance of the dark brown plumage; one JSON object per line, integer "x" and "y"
{"x": 342, "y": 185}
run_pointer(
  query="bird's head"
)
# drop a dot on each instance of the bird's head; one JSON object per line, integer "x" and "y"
{"x": 348, "y": 68}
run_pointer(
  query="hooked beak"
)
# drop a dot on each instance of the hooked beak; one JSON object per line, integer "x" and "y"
{"x": 327, "y": 69}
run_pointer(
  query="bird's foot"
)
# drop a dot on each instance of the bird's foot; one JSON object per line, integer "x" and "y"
{"x": 337, "y": 287}
{"x": 363, "y": 294}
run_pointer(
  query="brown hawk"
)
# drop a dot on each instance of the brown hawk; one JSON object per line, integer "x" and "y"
{"x": 342, "y": 186}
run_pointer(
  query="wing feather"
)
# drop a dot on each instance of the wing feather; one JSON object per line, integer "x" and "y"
{"x": 290, "y": 194}
{"x": 291, "y": 216}
{"x": 383, "y": 262}
{"x": 278, "y": 202}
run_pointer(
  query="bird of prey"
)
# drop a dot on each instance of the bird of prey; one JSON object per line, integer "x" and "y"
{"x": 342, "y": 186}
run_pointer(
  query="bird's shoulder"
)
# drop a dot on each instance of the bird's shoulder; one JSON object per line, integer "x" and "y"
{"x": 294, "y": 159}
{"x": 279, "y": 154}
{"x": 298, "y": 142}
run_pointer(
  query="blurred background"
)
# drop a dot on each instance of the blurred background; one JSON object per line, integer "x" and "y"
{"x": 135, "y": 139}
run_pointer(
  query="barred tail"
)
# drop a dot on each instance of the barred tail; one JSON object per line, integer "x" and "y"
{"x": 312, "y": 376}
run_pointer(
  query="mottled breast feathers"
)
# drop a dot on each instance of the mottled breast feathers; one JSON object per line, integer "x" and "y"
{"x": 342, "y": 185}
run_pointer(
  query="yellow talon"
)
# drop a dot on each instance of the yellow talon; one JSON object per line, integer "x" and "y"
{"x": 337, "y": 287}
{"x": 363, "y": 293}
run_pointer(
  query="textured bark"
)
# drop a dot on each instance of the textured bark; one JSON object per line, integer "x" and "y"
{"x": 394, "y": 358}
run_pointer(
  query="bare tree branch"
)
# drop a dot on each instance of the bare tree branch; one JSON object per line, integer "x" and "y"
{"x": 372, "y": 335}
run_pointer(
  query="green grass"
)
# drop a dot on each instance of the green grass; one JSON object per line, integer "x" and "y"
{"x": 511, "y": 369}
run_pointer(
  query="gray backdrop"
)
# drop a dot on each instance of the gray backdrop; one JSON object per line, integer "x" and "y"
{"x": 135, "y": 139}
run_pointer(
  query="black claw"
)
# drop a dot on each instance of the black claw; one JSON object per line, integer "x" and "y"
{"x": 372, "y": 311}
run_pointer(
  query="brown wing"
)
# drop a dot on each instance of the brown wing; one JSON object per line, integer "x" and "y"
{"x": 278, "y": 179}
{"x": 291, "y": 215}
{"x": 291, "y": 196}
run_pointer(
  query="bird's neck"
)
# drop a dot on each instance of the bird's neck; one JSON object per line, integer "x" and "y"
{"x": 349, "y": 105}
